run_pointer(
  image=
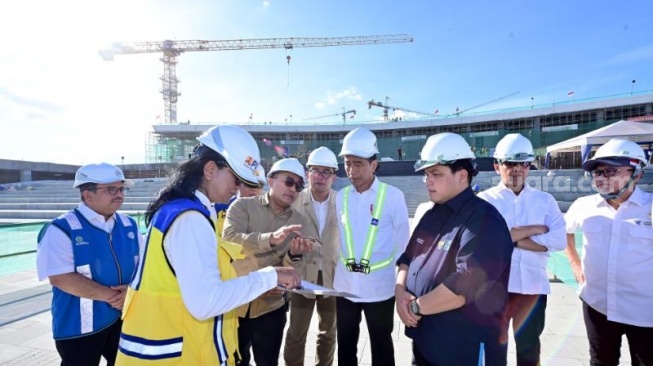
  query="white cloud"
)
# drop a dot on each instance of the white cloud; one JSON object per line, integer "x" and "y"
{"x": 337, "y": 97}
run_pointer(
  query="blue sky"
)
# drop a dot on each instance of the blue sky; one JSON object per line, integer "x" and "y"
{"x": 60, "y": 102}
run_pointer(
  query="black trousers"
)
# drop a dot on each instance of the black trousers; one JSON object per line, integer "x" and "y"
{"x": 379, "y": 317}
{"x": 605, "y": 340}
{"x": 527, "y": 313}
{"x": 87, "y": 350}
{"x": 264, "y": 335}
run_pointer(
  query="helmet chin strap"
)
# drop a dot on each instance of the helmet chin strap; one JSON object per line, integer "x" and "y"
{"x": 611, "y": 196}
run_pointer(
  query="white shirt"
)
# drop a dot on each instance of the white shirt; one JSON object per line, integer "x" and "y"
{"x": 391, "y": 240}
{"x": 617, "y": 256}
{"x": 321, "y": 209}
{"x": 531, "y": 207}
{"x": 192, "y": 249}
{"x": 55, "y": 251}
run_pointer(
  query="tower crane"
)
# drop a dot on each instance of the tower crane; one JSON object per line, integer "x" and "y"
{"x": 458, "y": 112}
{"x": 387, "y": 107}
{"x": 343, "y": 114}
{"x": 172, "y": 49}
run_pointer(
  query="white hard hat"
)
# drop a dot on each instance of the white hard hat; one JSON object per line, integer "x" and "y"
{"x": 443, "y": 148}
{"x": 101, "y": 173}
{"x": 514, "y": 147}
{"x": 322, "y": 156}
{"x": 618, "y": 152}
{"x": 359, "y": 142}
{"x": 290, "y": 165}
{"x": 238, "y": 148}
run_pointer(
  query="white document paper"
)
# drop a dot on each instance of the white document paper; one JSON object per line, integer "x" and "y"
{"x": 308, "y": 288}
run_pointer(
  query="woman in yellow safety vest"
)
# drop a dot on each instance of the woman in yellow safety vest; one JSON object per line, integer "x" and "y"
{"x": 173, "y": 313}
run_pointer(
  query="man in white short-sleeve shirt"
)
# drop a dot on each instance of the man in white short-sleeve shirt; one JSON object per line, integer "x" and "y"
{"x": 89, "y": 255}
{"x": 616, "y": 270}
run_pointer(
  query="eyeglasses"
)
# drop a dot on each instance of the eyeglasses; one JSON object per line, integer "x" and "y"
{"x": 112, "y": 190}
{"x": 289, "y": 182}
{"x": 512, "y": 164}
{"x": 326, "y": 174}
{"x": 608, "y": 172}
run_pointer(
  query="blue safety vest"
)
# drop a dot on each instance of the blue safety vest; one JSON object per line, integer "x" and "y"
{"x": 106, "y": 258}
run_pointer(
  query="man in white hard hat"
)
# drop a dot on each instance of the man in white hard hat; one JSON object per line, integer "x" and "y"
{"x": 374, "y": 230}
{"x": 617, "y": 265}
{"x": 453, "y": 276}
{"x": 318, "y": 204}
{"x": 537, "y": 228}
{"x": 89, "y": 255}
{"x": 269, "y": 229}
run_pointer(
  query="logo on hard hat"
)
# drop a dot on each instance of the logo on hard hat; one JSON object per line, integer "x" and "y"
{"x": 252, "y": 164}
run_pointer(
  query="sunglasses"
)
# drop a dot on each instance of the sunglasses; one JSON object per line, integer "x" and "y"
{"x": 113, "y": 190}
{"x": 289, "y": 182}
{"x": 512, "y": 164}
{"x": 608, "y": 172}
{"x": 239, "y": 180}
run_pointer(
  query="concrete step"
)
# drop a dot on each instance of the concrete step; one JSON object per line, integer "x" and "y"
{"x": 132, "y": 206}
{"x": 9, "y": 215}
{"x": 48, "y": 200}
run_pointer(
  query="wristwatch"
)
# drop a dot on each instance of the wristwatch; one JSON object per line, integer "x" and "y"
{"x": 413, "y": 306}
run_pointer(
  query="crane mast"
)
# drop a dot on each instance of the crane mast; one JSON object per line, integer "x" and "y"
{"x": 172, "y": 49}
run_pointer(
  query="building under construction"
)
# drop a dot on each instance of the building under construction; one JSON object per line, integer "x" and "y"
{"x": 544, "y": 125}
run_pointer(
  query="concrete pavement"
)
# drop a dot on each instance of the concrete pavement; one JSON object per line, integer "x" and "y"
{"x": 26, "y": 337}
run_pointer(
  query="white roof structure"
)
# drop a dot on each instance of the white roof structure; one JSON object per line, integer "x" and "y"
{"x": 641, "y": 132}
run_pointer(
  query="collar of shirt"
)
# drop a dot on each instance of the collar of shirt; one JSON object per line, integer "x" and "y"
{"x": 318, "y": 202}
{"x": 96, "y": 219}
{"x": 265, "y": 200}
{"x": 456, "y": 203}
{"x": 637, "y": 198}
{"x": 502, "y": 187}
{"x": 373, "y": 188}
{"x": 207, "y": 203}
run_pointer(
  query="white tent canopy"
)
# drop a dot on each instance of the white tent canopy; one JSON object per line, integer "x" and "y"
{"x": 641, "y": 132}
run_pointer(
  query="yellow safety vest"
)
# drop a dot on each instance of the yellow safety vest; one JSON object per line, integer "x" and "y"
{"x": 227, "y": 253}
{"x": 157, "y": 328}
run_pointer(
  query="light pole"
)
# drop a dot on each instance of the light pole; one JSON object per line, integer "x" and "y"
{"x": 122, "y": 159}
{"x": 632, "y": 85}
